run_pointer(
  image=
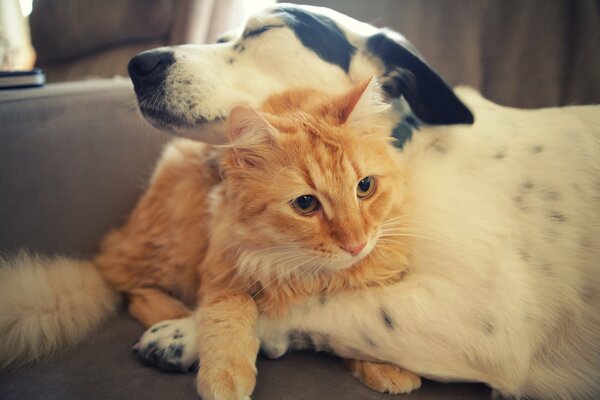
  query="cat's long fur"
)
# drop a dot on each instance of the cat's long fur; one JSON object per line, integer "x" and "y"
{"x": 264, "y": 256}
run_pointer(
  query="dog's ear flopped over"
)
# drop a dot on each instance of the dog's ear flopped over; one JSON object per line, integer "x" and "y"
{"x": 407, "y": 75}
{"x": 404, "y": 73}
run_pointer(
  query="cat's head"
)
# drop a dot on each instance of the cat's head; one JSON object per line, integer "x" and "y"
{"x": 311, "y": 178}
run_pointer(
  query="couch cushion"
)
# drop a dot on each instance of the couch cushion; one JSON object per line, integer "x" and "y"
{"x": 104, "y": 368}
{"x": 74, "y": 158}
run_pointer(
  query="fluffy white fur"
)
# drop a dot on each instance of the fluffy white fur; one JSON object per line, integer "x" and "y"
{"x": 47, "y": 304}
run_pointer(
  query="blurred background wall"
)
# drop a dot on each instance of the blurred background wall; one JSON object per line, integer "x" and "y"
{"x": 522, "y": 53}
{"x": 96, "y": 38}
{"x": 525, "y": 53}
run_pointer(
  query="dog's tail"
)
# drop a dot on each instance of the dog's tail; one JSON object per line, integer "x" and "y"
{"x": 47, "y": 304}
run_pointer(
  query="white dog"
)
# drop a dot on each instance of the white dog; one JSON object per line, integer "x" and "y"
{"x": 504, "y": 285}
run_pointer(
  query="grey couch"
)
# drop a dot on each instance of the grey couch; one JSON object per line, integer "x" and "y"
{"x": 73, "y": 160}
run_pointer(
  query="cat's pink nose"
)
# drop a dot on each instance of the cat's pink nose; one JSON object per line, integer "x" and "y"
{"x": 353, "y": 248}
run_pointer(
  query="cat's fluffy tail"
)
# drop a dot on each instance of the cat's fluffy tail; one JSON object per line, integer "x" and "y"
{"x": 47, "y": 304}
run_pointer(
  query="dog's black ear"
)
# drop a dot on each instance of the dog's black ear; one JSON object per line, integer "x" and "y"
{"x": 407, "y": 75}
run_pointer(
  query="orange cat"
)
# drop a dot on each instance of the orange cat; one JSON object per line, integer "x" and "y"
{"x": 299, "y": 205}
{"x": 309, "y": 183}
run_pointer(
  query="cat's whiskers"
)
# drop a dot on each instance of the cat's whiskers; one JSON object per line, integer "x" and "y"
{"x": 282, "y": 258}
{"x": 278, "y": 277}
{"x": 401, "y": 257}
{"x": 406, "y": 233}
{"x": 401, "y": 226}
{"x": 400, "y": 223}
{"x": 392, "y": 242}
{"x": 285, "y": 259}
{"x": 313, "y": 270}
{"x": 401, "y": 217}
{"x": 405, "y": 220}
{"x": 273, "y": 249}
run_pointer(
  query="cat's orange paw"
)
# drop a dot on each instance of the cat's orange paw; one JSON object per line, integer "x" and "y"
{"x": 226, "y": 381}
{"x": 384, "y": 378}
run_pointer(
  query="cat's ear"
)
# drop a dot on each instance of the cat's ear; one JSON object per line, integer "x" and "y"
{"x": 246, "y": 124}
{"x": 247, "y": 130}
{"x": 363, "y": 105}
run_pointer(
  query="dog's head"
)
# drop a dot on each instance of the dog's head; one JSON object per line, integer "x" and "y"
{"x": 286, "y": 46}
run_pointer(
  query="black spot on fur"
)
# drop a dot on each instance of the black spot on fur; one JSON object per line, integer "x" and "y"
{"x": 407, "y": 75}
{"x": 524, "y": 255}
{"x": 259, "y": 31}
{"x": 404, "y": 130}
{"x": 158, "y": 328}
{"x": 537, "y": 149}
{"x": 439, "y": 145}
{"x": 319, "y": 34}
{"x": 156, "y": 357}
{"x": 387, "y": 320}
{"x": 558, "y": 217}
{"x": 500, "y": 154}
{"x": 230, "y": 60}
{"x": 551, "y": 196}
{"x": 148, "y": 352}
{"x": 240, "y": 48}
{"x": 368, "y": 340}
{"x": 178, "y": 334}
{"x": 440, "y": 148}
{"x": 176, "y": 350}
{"x": 488, "y": 328}
{"x": 527, "y": 185}
{"x": 546, "y": 268}
{"x": 323, "y": 299}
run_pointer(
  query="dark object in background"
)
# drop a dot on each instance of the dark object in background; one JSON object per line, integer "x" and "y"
{"x": 22, "y": 79}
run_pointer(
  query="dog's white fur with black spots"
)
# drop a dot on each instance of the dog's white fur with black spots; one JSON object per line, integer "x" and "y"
{"x": 504, "y": 285}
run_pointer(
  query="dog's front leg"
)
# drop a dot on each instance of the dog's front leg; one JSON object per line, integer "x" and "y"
{"x": 227, "y": 345}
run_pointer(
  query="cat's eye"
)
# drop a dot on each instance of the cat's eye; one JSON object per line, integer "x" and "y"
{"x": 365, "y": 187}
{"x": 306, "y": 204}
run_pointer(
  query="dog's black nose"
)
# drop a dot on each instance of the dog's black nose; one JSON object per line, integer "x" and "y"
{"x": 148, "y": 69}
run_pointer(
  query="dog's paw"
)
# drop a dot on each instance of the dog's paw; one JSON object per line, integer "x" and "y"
{"x": 169, "y": 346}
{"x": 274, "y": 344}
{"x": 384, "y": 378}
{"x": 228, "y": 379}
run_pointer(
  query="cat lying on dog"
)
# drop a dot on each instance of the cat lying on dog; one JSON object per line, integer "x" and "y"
{"x": 501, "y": 219}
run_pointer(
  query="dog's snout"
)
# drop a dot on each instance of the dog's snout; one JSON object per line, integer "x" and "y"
{"x": 147, "y": 70}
